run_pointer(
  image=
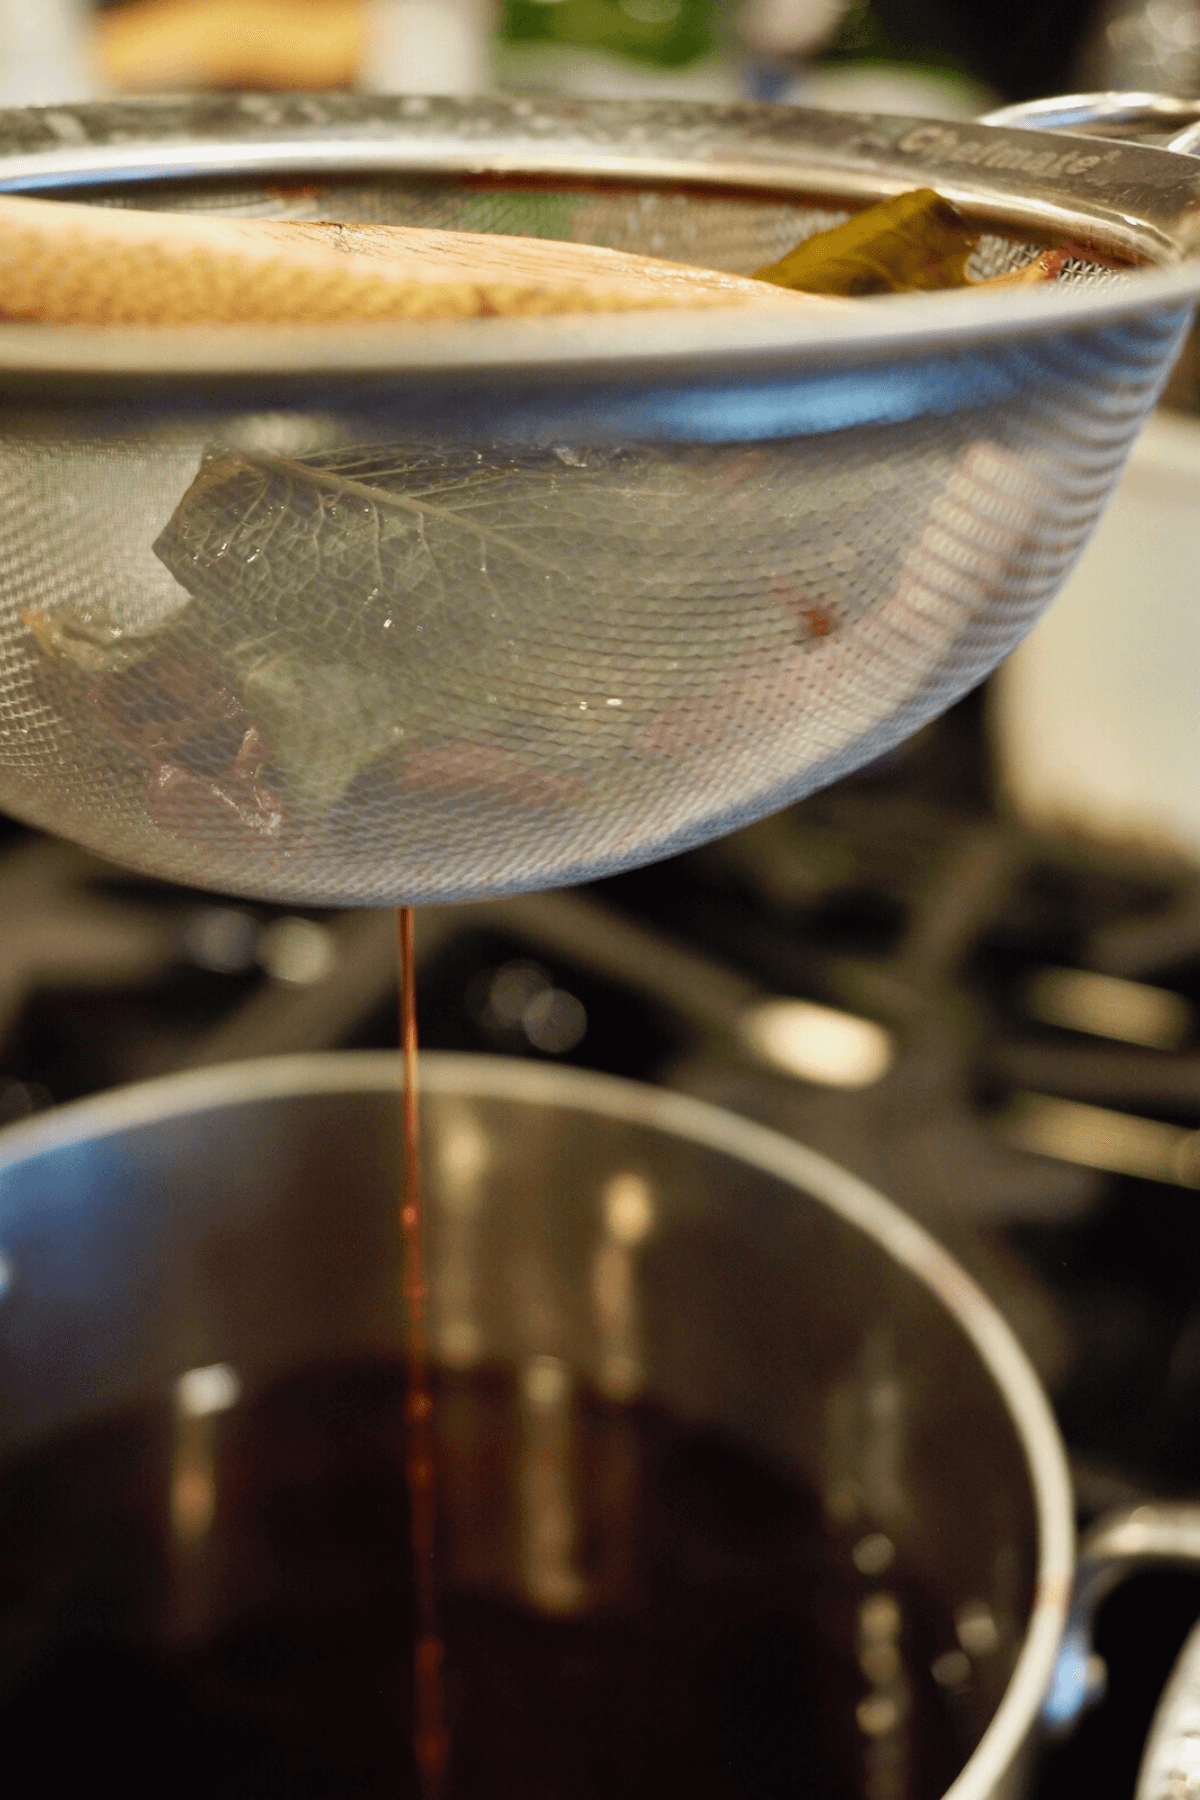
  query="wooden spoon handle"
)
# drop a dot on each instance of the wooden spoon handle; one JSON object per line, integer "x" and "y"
{"x": 66, "y": 264}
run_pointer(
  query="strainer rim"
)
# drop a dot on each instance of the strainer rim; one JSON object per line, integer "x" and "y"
{"x": 588, "y": 348}
{"x": 1148, "y": 200}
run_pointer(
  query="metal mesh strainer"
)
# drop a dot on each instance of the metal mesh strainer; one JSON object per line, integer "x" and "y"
{"x": 435, "y": 612}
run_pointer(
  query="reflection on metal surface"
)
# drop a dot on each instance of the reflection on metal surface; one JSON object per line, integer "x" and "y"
{"x": 952, "y": 1669}
{"x": 882, "y": 1712}
{"x": 193, "y": 1484}
{"x": 221, "y": 938}
{"x": 843, "y": 1483}
{"x": 864, "y": 1451}
{"x": 463, "y": 1155}
{"x": 884, "y": 1434}
{"x": 1117, "y": 1545}
{"x": 548, "y": 1522}
{"x": 621, "y": 1371}
{"x": 1171, "y": 1765}
{"x": 201, "y": 1392}
{"x": 512, "y": 988}
{"x": 6, "y": 1275}
{"x": 817, "y": 1043}
{"x": 1078, "y": 1681}
{"x": 873, "y": 1554}
{"x": 1102, "y": 1139}
{"x": 522, "y": 997}
{"x": 878, "y": 1714}
{"x": 554, "y": 1021}
{"x": 536, "y": 1301}
{"x": 976, "y": 1626}
{"x": 200, "y": 1396}
{"x": 298, "y": 952}
{"x": 629, "y": 1216}
{"x": 880, "y": 1662}
{"x": 1109, "y": 1006}
{"x": 629, "y": 1210}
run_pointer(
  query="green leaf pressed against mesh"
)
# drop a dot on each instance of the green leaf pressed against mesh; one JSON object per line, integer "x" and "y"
{"x": 377, "y": 606}
{"x": 917, "y": 240}
{"x": 366, "y": 601}
{"x": 324, "y": 722}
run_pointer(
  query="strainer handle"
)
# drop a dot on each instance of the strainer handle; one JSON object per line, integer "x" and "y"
{"x": 1066, "y": 112}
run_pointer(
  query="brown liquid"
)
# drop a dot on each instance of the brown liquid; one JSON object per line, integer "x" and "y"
{"x": 713, "y": 1650}
{"x": 431, "y": 1742}
{"x": 359, "y": 1593}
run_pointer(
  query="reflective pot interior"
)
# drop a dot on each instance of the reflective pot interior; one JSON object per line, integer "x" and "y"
{"x": 728, "y": 1497}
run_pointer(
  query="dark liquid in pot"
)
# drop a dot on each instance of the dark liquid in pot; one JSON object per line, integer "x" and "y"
{"x": 431, "y": 1740}
{"x": 630, "y": 1606}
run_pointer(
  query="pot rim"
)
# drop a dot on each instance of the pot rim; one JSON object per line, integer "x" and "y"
{"x": 634, "y": 1103}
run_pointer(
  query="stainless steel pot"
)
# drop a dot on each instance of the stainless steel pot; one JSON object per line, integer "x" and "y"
{"x": 194, "y": 1242}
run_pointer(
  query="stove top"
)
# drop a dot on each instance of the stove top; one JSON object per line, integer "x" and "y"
{"x": 999, "y": 1030}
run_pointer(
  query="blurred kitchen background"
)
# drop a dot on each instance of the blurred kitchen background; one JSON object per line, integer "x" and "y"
{"x": 942, "y": 56}
{"x": 971, "y": 972}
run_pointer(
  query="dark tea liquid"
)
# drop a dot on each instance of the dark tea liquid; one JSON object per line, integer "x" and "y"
{"x": 554, "y": 1597}
{"x": 713, "y": 1647}
{"x": 430, "y": 1738}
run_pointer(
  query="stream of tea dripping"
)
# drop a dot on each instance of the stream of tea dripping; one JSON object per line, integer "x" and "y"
{"x": 431, "y": 1741}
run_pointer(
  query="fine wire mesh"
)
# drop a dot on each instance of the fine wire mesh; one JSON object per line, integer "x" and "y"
{"x": 706, "y": 230}
{"x": 292, "y": 656}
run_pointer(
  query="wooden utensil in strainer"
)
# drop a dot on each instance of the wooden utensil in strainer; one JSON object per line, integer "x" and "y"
{"x": 67, "y": 264}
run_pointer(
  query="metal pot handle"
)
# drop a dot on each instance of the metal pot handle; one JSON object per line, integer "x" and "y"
{"x": 1065, "y": 112}
{"x": 1116, "y": 1546}
{"x": 1171, "y": 1761}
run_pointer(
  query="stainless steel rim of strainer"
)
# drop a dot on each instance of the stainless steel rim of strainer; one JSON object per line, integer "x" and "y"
{"x": 1134, "y": 204}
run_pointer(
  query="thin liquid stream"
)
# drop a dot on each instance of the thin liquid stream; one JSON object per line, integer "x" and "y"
{"x": 431, "y": 1741}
